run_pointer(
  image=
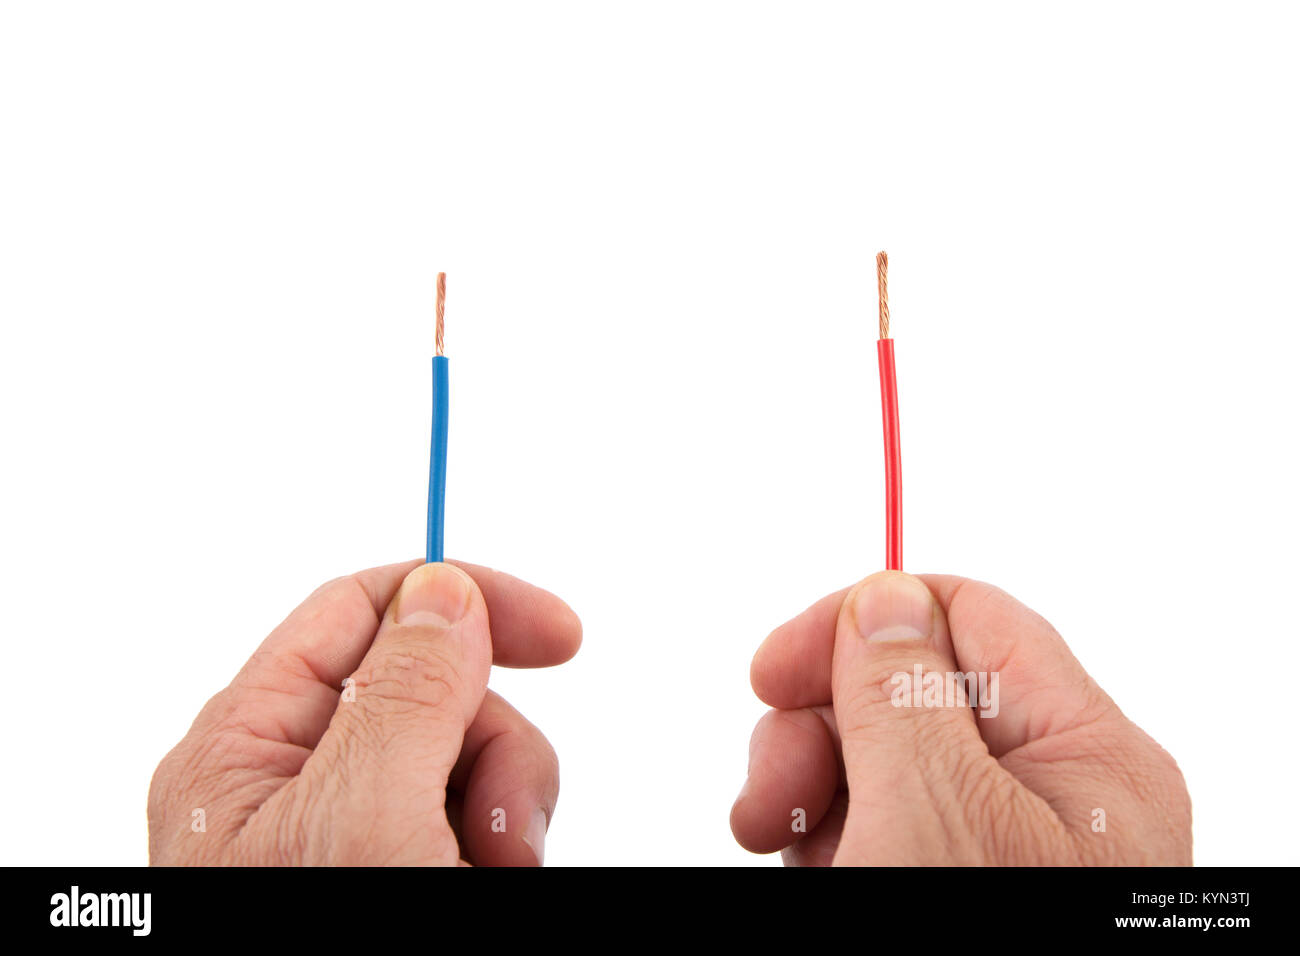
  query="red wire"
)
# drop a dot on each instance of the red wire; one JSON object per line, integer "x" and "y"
{"x": 893, "y": 456}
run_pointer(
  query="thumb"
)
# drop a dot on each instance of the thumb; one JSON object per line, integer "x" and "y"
{"x": 420, "y": 684}
{"x": 912, "y": 751}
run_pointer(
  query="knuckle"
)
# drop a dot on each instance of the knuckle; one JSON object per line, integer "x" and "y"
{"x": 860, "y": 715}
{"x": 540, "y": 751}
{"x": 537, "y": 750}
{"x": 887, "y": 695}
{"x": 943, "y": 749}
{"x": 530, "y": 756}
{"x": 413, "y": 678}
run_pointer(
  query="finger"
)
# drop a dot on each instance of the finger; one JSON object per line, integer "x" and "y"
{"x": 911, "y": 749}
{"x": 991, "y": 634}
{"x": 510, "y": 779}
{"x": 1056, "y": 731}
{"x": 792, "y": 667}
{"x": 1038, "y": 697}
{"x": 530, "y": 627}
{"x": 290, "y": 687}
{"x": 417, "y": 688}
{"x": 818, "y": 848}
{"x": 793, "y": 774}
{"x": 327, "y": 635}
{"x": 1041, "y": 689}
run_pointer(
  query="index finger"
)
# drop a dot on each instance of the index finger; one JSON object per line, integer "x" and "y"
{"x": 331, "y": 630}
{"x": 290, "y": 686}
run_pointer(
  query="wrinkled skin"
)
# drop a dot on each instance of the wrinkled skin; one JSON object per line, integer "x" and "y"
{"x": 883, "y": 784}
{"x": 416, "y": 762}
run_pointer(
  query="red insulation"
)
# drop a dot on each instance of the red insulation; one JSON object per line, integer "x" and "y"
{"x": 893, "y": 456}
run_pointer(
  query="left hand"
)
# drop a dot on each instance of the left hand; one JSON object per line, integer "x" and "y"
{"x": 413, "y": 761}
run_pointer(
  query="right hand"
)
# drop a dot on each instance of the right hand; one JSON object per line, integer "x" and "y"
{"x": 1055, "y": 775}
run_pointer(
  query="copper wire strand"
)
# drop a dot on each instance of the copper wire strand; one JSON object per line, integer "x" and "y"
{"x": 882, "y": 283}
{"x": 438, "y": 311}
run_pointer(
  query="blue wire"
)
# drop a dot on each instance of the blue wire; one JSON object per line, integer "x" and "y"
{"x": 437, "y": 461}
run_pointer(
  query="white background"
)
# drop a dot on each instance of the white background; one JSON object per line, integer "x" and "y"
{"x": 219, "y": 227}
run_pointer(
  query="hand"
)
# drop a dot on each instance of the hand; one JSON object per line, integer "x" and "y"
{"x": 1045, "y": 770}
{"x": 411, "y": 761}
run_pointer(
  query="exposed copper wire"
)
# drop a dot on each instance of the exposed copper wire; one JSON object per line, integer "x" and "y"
{"x": 441, "y": 305}
{"x": 882, "y": 283}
